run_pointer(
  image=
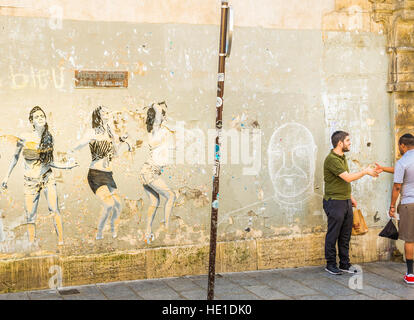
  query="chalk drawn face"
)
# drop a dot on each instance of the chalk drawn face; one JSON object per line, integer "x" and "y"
{"x": 291, "y": 153}
{"x": 39, "y": 119}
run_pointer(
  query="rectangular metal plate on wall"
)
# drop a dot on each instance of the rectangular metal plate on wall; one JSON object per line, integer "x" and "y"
{"x": 101, "y": 79}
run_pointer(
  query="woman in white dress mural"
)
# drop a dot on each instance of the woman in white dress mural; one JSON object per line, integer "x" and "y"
{"x": 150, "y": 175}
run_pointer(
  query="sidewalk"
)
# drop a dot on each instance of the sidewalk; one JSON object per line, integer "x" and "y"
{"x": 380, "y": 281}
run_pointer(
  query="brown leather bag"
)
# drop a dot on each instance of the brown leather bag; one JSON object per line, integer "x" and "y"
{"x": 359, "y": 226}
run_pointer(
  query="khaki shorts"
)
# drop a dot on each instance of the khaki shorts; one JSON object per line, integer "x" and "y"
{"x": 406, "y": 222}
{"x": 34, "y": 185}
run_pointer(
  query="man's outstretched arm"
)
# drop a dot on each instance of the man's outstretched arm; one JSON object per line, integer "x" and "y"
{"x": 349, "y": 177}
{"x": 380, "y": 168}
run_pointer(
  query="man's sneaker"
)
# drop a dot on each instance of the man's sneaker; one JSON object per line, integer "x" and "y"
{"x": 348, "y": 268}
{"x": 409, "y": 278}
{"x": 333, "y": 270}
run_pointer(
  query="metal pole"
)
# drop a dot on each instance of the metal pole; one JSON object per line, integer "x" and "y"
{"x": 216, "y": 171}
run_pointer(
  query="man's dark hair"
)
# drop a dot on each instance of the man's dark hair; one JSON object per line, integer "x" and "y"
{"x": 407, "y": 140}
{"x": 338, "y": 136}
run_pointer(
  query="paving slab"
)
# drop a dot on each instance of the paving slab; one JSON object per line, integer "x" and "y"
{"x": 328, "y": 287}
{"x": 291, "y": 287}
{"x": 305, "y": 273}
{"x": 147, "y": 285}
{"x": 197, "y": 294}
{"x": 230, "y": 290}
{"x": 219, "y": 282}
{"x": 377, "y": 294}
{"x": 89, "y": 292}
{"x": 265, "y": 276}
{"x": 246, "y": 296}
{"x": 118, "y": 291}
{"x": 14, "y": 296}
{"x": 160, "y": 294}
{"x": 313, "y": 297}
{"x": 343, "y": 279}
{"x": 45, "y": 295}
{"x": 387, "y": 272}
{"x": 242, "y": 279}
{"x": 352, "y": 297}
{"x": 267, "y": 293}
{"x": 181, "y": 284}
{"x": 381, "y": 282}
{"x": 406, "y": 292}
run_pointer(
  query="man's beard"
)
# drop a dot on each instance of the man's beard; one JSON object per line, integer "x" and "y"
{"x": 345, "y": 149}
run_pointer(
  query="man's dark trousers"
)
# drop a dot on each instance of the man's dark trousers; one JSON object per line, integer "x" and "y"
{"x": 340, "y": 220}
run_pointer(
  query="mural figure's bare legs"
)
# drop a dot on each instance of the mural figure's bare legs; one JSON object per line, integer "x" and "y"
{"x": 152, "y": 209}
{"x": 31, "y": 202}
{"x": 116, "y": 213}
{"x": 52, "y": 200}
{"x": 154, "y": 190}
{"x": 110, "y": 204}
{"x": 161, "y": 187}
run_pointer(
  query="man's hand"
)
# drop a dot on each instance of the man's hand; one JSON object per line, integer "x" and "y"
{"x": 354, "y": 203}
{"x": 371, "y": 172}
{"x": 392, "y": 212}
{"x": 378, "y": 168}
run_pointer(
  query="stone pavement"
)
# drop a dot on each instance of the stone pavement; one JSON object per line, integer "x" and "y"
{"x": 380, "y": 281}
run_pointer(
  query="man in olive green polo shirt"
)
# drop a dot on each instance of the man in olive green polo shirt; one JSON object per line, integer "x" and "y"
{"x": 338, "y": 203}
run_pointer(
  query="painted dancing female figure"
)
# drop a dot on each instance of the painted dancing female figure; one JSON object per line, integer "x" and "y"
{"x": 104, "y": 146}
{"x": 151, "y": 171}
{"x": 37, "y": 147}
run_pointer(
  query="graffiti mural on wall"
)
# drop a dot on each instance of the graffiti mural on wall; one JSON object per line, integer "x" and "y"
{"x": 292, "y": 156}
{"x": 104, "y": 145}
{"x": 292, "y": 153}
{"x": 37, "y": 146}
{"x": 151, "y": 171}
{"x": 291, "y": 167}
{"x": 107, "y": 139}
{"x": 291, "y": 160}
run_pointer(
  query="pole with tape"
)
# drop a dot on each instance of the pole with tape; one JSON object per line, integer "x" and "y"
{"x": 226, "y": 37}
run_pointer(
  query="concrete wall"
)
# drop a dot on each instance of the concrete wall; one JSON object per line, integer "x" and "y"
{"x": 297, "y": 72}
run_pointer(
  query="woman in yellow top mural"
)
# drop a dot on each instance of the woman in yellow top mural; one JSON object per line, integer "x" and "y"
{"x": 37, "y": 149}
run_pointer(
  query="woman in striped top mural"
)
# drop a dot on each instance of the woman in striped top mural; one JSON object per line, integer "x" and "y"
{"x": 104, "y": 145}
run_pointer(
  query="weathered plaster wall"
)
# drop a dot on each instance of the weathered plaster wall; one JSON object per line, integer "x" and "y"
{"x": 295, "y": 78}
{"x": 397, "y": 21}
{"x": 299, "y": 14}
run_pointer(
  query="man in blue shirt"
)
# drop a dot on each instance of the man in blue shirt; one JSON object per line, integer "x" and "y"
{"x": 404, "y": 184}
